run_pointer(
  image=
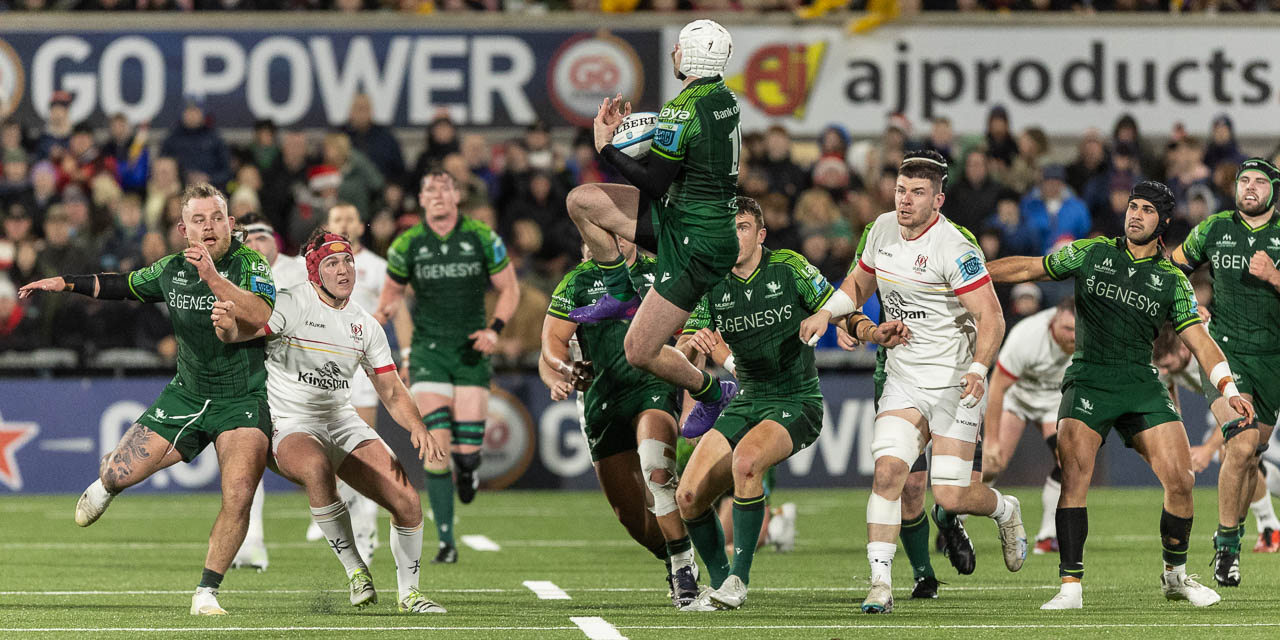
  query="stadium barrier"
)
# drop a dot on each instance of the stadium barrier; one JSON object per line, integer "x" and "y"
{"x": 53, "y": 432}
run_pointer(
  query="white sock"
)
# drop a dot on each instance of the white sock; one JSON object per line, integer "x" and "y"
{"x": 335, "y": 522}
{"x": 255, "y": 535}
{"x": 1180, "y": 570}
{"x": 1001, "y": 512}
{"x": 406, "y": 546}
{"x": 1049, "y": 505}
{"x": 364, "y": 513}
{"x": 1273, "y": 477}
{"x": 1264, "y": 514}
{"x": 681, "y": 560}
{"x": 880, "y": 555}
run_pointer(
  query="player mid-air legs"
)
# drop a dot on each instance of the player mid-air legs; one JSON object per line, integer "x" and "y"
{"x": 449, "y": 260}
{"x": 932, "y": 281}
{"x": 680, "y": 208}
{"x": 219, "y": 394}
{"x": 1125, "y": 291}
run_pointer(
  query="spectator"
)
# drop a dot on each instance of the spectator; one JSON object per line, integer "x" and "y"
{"x": 1222, "y": 147}
{"x": 201, "y": 153}
{"x": 1122, "y": 169}
{"x": 18, "y": 328}
{"x": 544, "y": 207}
{"x": 264, "y": 149}
{"x": 1005, "y": 234}
{"x": 324, "y": 183}
{"x": 1091, "y": 161}
{"x": 537, "y": 142}
{"x": 513, "y": 182}
{"x": 442, "y": 140}
{"x": 1186, "y": 169}
{"x": 1024, "y": 300}
{"x": 777, "y": 219}
{"x": 259, "y": 236}
{"x": 833, "y": 141}
{"x": 784, "y": 175}
{"x": 44, "y": 191}
{"x": 129, "y": 150}
{"x": 15, "y": 186}
{"x": 374, "y": 140}
{"x": 18, "y": 226}
{"x": 1033, "y": 146}
{"x": 1000, "y": 145}
{"x": 81, "y": 160}
{"x": 63, "y": 252}
{"x": 1109, "y": 220}
{"x": 122, "y": 248}
{"x": 12, "y": 136}
{"x": 942, "y": 139}
{"x": 972, "y": 199}
{"x": 1126, "y": 130}
{"x": 586, "y": 167}
{"x": 1056, "y": 214}
{"x": 57, "y": 127}
{"x": 474, "y": 192}
{"x": 479, "y": 156}
{"x": 361, "y": 181}
{"x": 286, "y": 184}
{"x": 164, "y": 184}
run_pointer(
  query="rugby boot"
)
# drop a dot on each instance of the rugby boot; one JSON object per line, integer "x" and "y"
{"x": 704, "y": 414}
{"x": 879, "y": 599}
{"x": 606, "y": 308}
{"x": 362, "y": 591}
{"x": 1070, "y": 596}
{"x": 93, "y": 503}
{"x": 956, "y": 545}
{"x": 1013, "y": 537}
{"x": 1226, "y": 568}
{"x": 1177, "y": 585}
{"x": 417, "y": 602}
{"x": 205, "y": 603}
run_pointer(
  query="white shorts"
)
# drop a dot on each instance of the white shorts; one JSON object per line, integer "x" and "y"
{"x": 363, "y": 394}
{"x": 339, "y": 433}
{"x": 940, "y": 408}
{"x": 1032, "y": 406}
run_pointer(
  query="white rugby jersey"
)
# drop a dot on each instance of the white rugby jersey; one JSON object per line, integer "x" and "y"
{"x": 1188, "y": 378}
{"x": 371, "y": 274}
{"x": 1034, "y": 360}
{"x": 288, "y": 271}
{"x": 919, "y": 281}
{"x": 314, "y": 350}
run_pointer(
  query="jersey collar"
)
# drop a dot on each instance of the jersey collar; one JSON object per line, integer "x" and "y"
{"x": 936, "y": 220}
{"x": 1123, "y": 243}
{"x": 1240, "y": 218}
{"x": 764, "y": 258}
{"x": 226, "y": 257}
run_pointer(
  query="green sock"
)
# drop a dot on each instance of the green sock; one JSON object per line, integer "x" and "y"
{"x": 440, "y": 496}
{"x": 708, "y": 539}
{"x": 1227, "y": 539}
{"x": 617, "y": 278}
{"x": 748, "y": 517}
{"x": 915, "y": 540}
{"x": 709, "y": 391}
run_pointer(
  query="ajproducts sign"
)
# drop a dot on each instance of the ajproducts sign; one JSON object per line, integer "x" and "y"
{"x": 309, "y": 78}
{"x": 1064, "y": 79}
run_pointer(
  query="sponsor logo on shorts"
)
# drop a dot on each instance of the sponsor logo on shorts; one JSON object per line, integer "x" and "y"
{"x": 666, "y": 275}
{"x": 327, "y": 376}
{"x": 160, "y": 414}
{"x": 1086, "y": 406}
{"x": 898, "y": 309}
{"x": 786, "y": 414}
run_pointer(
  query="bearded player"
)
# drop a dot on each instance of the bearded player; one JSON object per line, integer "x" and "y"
{"x": 1241, "y": 248}
{"x": 1125, "y": 291}
{"x": 680, "y": 208}
{"x": 219, "y": 394}
{"x": 319, "y": 337}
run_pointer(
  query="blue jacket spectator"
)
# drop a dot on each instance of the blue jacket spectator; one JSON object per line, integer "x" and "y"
{"x": 1013, "y": 237}
{"x": 132, "y": 154}
{"x": 1054, "y": 211}
{"x": 198, "y": 147}
{"x": 373, "y": 140}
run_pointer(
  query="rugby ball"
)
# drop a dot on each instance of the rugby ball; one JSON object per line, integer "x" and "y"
{"x": 635, "y": 134}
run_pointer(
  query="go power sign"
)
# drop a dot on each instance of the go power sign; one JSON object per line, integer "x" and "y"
{"x": 1064, "y": 79}
{"x": 309, "y": 78}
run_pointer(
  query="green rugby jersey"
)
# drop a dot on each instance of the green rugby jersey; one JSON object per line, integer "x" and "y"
{"x": 1121, "y": 303}
{"x": 760, "y": 317}
{"x": 208, "y": 367}
{"x": 601, "y": 342}
{"x": 699, "y": 128}
{"x": 449, "y": 275}
{"x": 1246, "y": 310}
{"x": 882, "y": 354}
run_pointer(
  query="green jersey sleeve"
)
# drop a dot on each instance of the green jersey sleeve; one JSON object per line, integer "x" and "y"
{"x": 562, "y": 299}
{"x": 1065, "y": 262}
{"x": 255, "y": 276}
{"x": 700, "y": 318}
{"x": 1194, "y": 246}
{"x": 495, "y": 252}
{"x": 398, "y": 258}
{"x": 677, "y": 127}
{"x": 1186, "y": 311}
{"x": 812, "y": 286}
{"x": 862, "y": 245}
{"x": 145, "y": 283}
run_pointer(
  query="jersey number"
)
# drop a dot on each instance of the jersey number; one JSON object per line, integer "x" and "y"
{"x": 735, "y": 140}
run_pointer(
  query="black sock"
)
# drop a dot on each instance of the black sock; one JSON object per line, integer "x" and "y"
{"x": 679, "y": 546}
{"x": 211, "y": 579}
{"x": 1073, "y": 528}
{"x": 1175, "y": 535}
{"x": 659, "y": 551}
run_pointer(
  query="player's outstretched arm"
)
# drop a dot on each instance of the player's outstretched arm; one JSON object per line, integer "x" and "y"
{"x": 654, "y": 178}
{"x": 1211, "y": 359}
{"x": 555, "y": 365}
{"x": 985, "y": 308}
{"x": 104, "y": 286}
{"x": 395, "y": 397}
{"x": 1017, "y": 269}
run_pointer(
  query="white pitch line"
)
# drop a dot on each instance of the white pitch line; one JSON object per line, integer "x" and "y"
{"x": 244, "y": 629}
{"x": 480, "y": 543}
{"x": 161, "y": 592}
{"x": 863, "y": 627}
{"x": 546, "y": 590}
{"x": 597, "y": 628}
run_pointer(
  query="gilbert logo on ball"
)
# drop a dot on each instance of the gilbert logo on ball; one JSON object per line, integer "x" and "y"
{"x": 12, "y": 80}
{"x": 635, "y": 135}
{"x": 588, "y": 68}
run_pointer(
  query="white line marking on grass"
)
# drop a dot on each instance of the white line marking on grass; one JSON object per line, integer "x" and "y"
{"x": 68, "y": 445}
{"x": 546, "y": 590}
{"x": 597, "y": 628}
{"x": 863, "y": 627}
{"x": 480, "y": 543}
{"x": 167, "y": 592}
{"x": 877, "y": 627}
{"x": 161, "y": 592}
{"x": 255, "y": 629}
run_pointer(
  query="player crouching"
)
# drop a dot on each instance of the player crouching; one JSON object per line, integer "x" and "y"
{"x": 317, "y": 338}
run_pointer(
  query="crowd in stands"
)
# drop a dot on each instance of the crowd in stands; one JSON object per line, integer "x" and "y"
{"x": 77, "y": 199}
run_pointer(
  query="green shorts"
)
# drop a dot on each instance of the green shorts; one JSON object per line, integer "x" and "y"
{"x": 801, "y": 417}
{"x": 1130, "y": 408}
{"x": 609, "y": 421}
{"x": 684, "y": 451}
{"x": 1258, "y": 376}
{"x": 689, "y": 260}
{"x": 192, "y": 423}
{"x": 450, "y": 361}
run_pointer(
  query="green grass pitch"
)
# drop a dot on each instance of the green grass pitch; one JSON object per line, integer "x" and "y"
{"x": 131, "y": 575}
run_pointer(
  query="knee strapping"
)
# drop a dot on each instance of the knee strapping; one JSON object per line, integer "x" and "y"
{"x": 894, "y": 436}
{"x": 654, "y": 457}
{"x": 1236, "y": 427}
{"x": 950, "y": 470}
{"x": 439, "y": 388}
{"x": 466, "y": 461}
{"x": 883, "y": 511}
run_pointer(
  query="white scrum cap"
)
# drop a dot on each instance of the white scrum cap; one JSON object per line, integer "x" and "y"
{"x": 705, "y": 48}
